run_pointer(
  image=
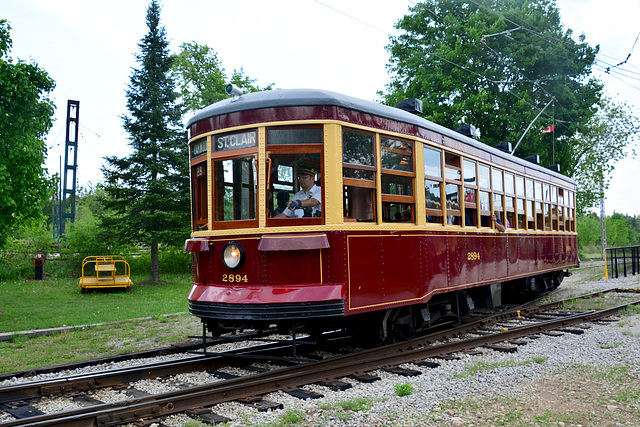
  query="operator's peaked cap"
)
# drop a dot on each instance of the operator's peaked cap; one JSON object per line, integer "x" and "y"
{"x": 306, "y": 170}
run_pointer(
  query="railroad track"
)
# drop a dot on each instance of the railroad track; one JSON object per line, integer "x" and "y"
{"x": 501, "y": 328}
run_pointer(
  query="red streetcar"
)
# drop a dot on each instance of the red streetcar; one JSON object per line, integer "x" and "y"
{"x": 319, "y": 210}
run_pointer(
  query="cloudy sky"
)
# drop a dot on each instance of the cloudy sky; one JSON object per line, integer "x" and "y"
{"x": 88, "y": 47}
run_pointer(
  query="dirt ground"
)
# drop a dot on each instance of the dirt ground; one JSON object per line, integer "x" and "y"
{"x": 580, "y": 396}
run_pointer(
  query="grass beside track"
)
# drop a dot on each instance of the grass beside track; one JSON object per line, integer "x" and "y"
{"x": 52, "y": 303}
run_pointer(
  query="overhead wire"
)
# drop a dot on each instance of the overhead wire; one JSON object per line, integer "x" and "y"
{"x": 351, "y": 17}
{"x": 543, "y": 36}
{"x": 628, "y": 56}
{"x": 506, "y": 33}
{"x": 519, "y": 26}
{"x": 547, "y": 38}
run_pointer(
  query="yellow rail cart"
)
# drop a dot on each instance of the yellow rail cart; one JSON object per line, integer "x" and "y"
{"x": 105, "y": 271}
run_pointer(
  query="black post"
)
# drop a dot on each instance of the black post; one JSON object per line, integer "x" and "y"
{"x": 38, "y": 262}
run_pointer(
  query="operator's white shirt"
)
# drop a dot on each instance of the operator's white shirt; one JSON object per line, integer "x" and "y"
{"x": 314, "y": 193}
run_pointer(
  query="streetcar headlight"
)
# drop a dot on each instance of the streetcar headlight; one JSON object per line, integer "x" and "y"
{"x": 233, "y": 255}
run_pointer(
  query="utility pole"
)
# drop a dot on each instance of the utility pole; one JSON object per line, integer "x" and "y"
{"x": 68, "y": 194}
{"x": 55, "y": 206}
{"x": 603, "y": 222}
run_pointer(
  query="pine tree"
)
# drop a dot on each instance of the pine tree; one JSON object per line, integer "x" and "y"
{"x": 149, "y": 189}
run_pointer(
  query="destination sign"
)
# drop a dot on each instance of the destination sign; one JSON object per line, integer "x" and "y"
{"x": 236, "y": 141}
{"x": 199, "y": 148}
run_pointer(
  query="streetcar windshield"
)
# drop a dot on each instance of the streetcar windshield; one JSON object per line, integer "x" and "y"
{"x": 294, "y": 183}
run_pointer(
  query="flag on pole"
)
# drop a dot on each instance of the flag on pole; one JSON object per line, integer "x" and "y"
{"x": 547, "y": 129}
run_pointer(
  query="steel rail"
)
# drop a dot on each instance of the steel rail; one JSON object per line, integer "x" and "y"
{"x": 292, "y": 377}
{"x": 114, "y": 377}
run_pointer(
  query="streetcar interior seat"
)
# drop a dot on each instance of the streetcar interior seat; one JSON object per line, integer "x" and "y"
{"x": 359, "y": 204}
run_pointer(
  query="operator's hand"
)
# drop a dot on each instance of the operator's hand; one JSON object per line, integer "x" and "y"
{"x": 295, "y": 204}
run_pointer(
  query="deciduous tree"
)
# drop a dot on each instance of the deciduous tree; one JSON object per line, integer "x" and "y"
{"x": 202, "y": 77}
{"x": 25, "y": 118}
{"x": 497, "y": 64}
{"x": 597, "y": 146}
{"x": 619, "y": 232}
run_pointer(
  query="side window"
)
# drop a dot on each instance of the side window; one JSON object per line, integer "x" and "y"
{"x": 470, "y": 194}
{"x": 554, "y": 208}
{"x": 538, "y": 205}
{"x": 484, "y": 184}
{"x": 509, "y": 199}
{"x": 530, "y": 211}
{"x": 358, "y": 176}
{"x": 571, "y": 225}
{"x": 433, "y": 185}
{"x": 547, "y": 216}
{"x": 539, "y": 216}
{"x": 234, "y": 179}
{"x": 453, "y": 188}
{"x": 235, "y": 189}
{"x": 497, "y": 185}
{"x": 200, "y": 209}
{"x": 561, "y": 210}
{"x": 294, "y": 163}
{"x": 520, "y": 194}
{"x": 397, "y": 177}
{"x": 199, "y": 183}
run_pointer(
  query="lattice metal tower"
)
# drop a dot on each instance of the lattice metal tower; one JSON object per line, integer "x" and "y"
{"x": 68, "y": 205}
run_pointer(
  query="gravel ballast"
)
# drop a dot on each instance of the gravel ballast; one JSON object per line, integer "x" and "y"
{"x": 548, "y": 381}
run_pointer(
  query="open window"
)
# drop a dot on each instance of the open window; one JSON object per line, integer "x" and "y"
{"x": 520, "y": 202}
{"x": 453, "y": 188}
{"x": 539, "y": 216}
{"x": 509, "y": 200}
{"x": 530, "y": 207}
{"x": 470, "y": 194}
{"x": 547, "y": 216}
{"x": 497, "y": 185}
{"x": 433, "y": 185}
{"x": 484, "y": 186}
{"x": 531, "y": 215}
{"x": 358, "y": 176}
{"x": 397, "y": 177}
{"x": 538, "y": 206}
{"x": 561, "y": 210}
{"x": 570, "y": 223}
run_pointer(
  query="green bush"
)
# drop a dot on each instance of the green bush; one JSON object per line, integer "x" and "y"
{"x": 16, "y": 260}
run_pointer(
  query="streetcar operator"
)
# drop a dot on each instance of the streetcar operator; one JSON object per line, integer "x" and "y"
{"x": 306, "y": 202}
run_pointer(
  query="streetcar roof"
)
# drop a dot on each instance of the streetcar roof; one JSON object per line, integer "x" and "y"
{"x": 314, "y": 97}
